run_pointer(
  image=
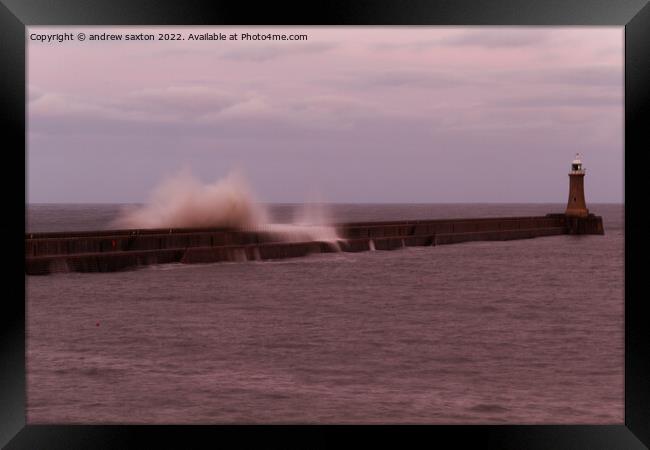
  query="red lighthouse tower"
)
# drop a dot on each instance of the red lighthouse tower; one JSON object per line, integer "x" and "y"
{"x": 577, "y": 207}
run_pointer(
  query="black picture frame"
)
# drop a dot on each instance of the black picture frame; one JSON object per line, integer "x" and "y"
{"x": 15, "y": 15}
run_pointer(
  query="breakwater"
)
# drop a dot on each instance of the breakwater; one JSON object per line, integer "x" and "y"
{"x": 113, "y": 250}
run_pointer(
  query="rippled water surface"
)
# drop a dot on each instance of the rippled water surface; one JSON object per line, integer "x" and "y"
{"x": 527, "y": 331}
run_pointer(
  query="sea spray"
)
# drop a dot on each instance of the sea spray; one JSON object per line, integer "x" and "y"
{"x": 182, "y": 201}
{"x": 311, "y": 222}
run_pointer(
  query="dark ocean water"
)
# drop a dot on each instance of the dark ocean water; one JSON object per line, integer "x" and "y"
{"x": 527, "y": 331}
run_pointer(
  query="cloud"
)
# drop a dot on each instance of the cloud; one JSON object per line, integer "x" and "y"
{"x": 334, "y": 112}
{"x": 332, "y": 104}
{"x": 587, "y": 75}
{"x": 413, "y": 45}
{"x": 491, "y": 38}
{"x": 266, "y": 53}
{"x": 423, "y": 78}
{"x": 501, "y": 37}
{"x": 561, "y": 101}
{"x": 252, "y": 107}
{"x": 192, "y": 100}
{"x": 198, "y": 109}
{"x": 247, "y": 52}
{"x": 175, "y": 52}
{"x": 61, "y": 105}
{"x": 168, "y": 104}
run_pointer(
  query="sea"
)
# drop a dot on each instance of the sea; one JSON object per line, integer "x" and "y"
{"x": 514, "y": 332}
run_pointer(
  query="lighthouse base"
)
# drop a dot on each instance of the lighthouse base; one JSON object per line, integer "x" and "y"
{"x": 591, "y": 224}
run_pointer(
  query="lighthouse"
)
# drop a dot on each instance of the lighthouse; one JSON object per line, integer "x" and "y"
{"x": 577, "y": 207}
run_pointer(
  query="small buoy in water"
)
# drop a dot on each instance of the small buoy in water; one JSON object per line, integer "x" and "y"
{"x": 97, "y": 324}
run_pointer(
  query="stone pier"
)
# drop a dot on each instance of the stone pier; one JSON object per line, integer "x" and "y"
{"x": 113, "y": 250}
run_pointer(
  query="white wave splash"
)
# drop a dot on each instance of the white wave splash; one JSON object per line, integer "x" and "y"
{"x": 183, "y": 201}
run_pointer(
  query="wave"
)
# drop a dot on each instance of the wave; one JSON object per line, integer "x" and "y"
{"x": 183, "y": 201}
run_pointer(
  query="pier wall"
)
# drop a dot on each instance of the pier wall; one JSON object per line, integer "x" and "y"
{"x": 113, "y": 250}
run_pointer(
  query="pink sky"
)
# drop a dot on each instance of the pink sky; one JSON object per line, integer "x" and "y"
{"x": 380, "y": 114}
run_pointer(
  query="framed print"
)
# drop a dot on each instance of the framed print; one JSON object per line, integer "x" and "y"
{"x": 295, "y": 223}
